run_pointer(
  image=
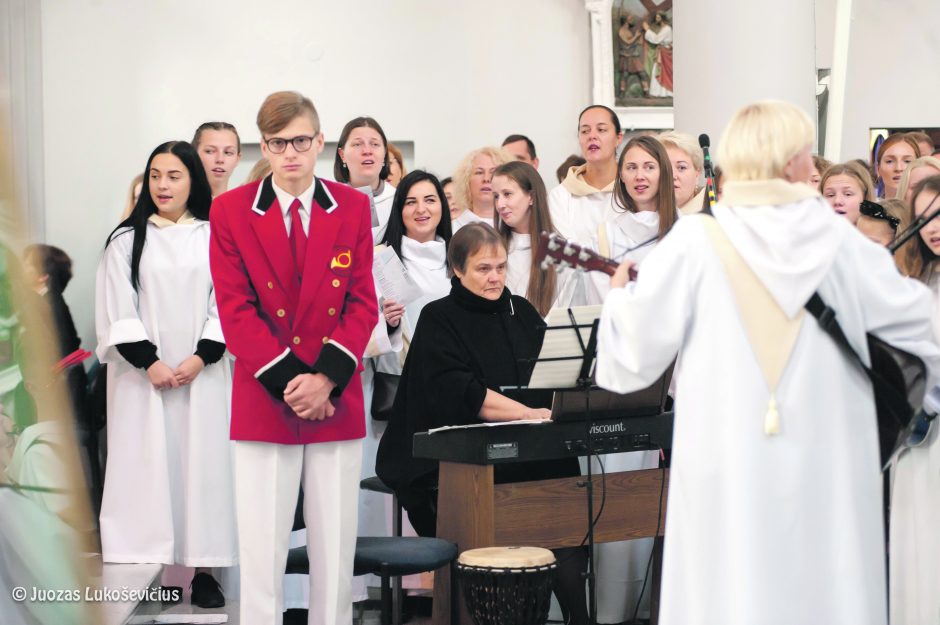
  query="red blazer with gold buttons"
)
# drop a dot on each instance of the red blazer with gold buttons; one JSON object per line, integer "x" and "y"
{"x": 279, "y": 324}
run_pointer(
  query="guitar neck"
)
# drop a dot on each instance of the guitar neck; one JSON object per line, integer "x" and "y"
{"x": 557, "y": 250}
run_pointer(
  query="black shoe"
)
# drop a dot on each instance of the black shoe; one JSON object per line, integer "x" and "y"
{"x": 207, "y": 593}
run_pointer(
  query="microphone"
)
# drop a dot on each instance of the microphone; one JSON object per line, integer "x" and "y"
{"x": 705, "y": 142}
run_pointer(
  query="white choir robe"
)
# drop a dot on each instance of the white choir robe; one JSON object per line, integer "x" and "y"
{"x": 168, "y": 488}
{"x": 621, "y": 566}
{"x": 427, "y": 265}
{"x": 569, "y": 287}
{"x": 467, "y": 217}
{"x": 767, "y": 529}
{"x": 578, "y": 209}
{"x": 383, "y": 209}
{"x": 915, "y": 519}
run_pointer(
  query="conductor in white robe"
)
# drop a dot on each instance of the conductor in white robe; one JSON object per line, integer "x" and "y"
{"x": 775, "y": 492}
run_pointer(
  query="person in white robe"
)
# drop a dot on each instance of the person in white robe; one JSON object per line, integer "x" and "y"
{"x": 913, "y": 542}
{"x": 646, "y": 211}
{"x": 774, "y": 509}
{"x": 522, "y": 208}
{"x": 473, "y": 186}
{"x": 362, "y": 160}
{"x": 688, "y": 162}
{"x": 418, "y": 230}
{"x": 168, "y": 489}
{"x": 583, "y": 201}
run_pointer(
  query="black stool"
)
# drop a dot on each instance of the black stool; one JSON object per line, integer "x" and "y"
{"x": 376, "y": 485}
{"x": 391, "y": 556}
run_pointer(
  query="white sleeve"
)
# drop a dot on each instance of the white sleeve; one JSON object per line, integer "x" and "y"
{"x": 664, "y": 36}
{"x": 117, "y": 319}
{"x": 381, "y": 342}
{"x": 596, "y": 283}
{"x": 643, "y": 324}
{"x": 212, "y": 330}
{"x": 558, "y": 206}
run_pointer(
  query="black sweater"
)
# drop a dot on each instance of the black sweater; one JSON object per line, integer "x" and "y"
{"x": 463, "y": 345}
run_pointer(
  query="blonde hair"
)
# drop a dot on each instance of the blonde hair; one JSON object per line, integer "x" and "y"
{"x": 281, "y": 107}
{"x": 761, "y": 139}
{"x": 854, "y": 170}
{"x": 687, "y": 143}
{"x": 259, "y": 170}
{"x": 465, "y": 169}
{"x": 923, "y": 161}
{"x": 129, "y": 202}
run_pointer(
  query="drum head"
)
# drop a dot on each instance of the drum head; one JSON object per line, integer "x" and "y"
{"x": 507, "y": 557}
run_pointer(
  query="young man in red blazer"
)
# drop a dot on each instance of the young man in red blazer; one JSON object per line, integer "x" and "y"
{"x": 291, "y": 260}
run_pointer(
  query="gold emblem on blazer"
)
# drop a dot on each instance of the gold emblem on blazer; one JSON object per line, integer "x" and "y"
{"x": 341, "y": 261}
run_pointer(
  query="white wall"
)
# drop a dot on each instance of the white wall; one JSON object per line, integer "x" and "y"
{"x": 735, "y": 52}
{"x": 121, "y": 76}
{"x": 21, "y": 119}
{"x": 893, "y": 65}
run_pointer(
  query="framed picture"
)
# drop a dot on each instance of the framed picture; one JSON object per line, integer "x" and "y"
{"x": 632, "y": 44}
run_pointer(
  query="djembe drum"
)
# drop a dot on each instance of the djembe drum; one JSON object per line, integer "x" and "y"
{"x": 507, "y": 585}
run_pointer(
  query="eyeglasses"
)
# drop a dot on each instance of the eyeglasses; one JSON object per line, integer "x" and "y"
{"x": 301, "y": 143}
{"x": 877, "y": 211}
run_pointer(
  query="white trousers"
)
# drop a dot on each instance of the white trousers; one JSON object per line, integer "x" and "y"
{"x": 267, "y": 481}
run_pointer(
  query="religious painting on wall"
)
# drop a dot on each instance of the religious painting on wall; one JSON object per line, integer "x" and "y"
{"x": 642, "y": 50}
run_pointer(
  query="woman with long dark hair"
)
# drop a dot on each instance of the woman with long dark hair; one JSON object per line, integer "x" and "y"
{"x": 168, "y": 494}
{"x": 418, "y": 232}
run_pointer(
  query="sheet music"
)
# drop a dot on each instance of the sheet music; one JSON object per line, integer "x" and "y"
{"x": 561, "y": 342}
{"x": 375, "y": 216}
{"x": 392, "y": 278}
{"x": 487, "y": 424}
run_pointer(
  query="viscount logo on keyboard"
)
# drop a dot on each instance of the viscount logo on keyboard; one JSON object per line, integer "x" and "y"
{"x": 544, "y": 441}
{"x": 608, "y": 428}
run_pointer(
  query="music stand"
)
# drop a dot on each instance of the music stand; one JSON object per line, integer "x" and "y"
{"x": 564, "y": 364}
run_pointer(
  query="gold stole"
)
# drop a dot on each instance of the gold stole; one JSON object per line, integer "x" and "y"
{"x": 772, "y": 335}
